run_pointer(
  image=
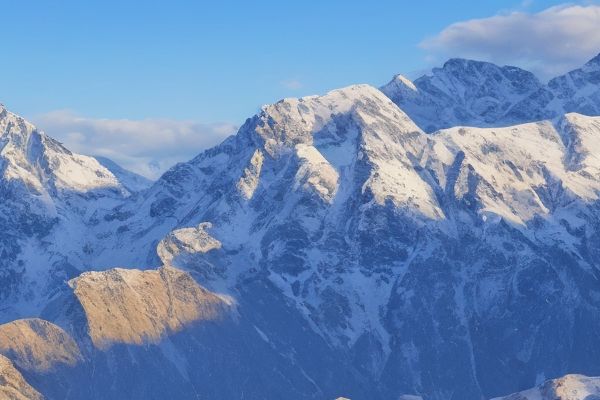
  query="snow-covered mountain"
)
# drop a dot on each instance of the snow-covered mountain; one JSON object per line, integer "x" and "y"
{"x": 49, "y": 197}
{"x": 476, "y": 93}
{"x": 417, "y": 255}
{"x": 331, "y": 248}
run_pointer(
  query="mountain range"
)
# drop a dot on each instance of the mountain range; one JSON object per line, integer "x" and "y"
{"x": 435, "y": 239}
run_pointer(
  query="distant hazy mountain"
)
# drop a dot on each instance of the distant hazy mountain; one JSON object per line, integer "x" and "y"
{"x": 475, "y": 93}
{"x": 332, "y": 248}
{"x": 130, "y": 180}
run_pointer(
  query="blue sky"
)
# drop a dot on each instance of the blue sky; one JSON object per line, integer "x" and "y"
{"x": 211, "y": 63}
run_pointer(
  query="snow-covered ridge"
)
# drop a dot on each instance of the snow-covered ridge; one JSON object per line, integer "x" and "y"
{"x": 386, "y": 137}
{"x": 568, "y": 387}
{"x": 188, "y": 241}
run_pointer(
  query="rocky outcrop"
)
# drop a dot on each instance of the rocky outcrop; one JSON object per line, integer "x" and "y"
{"x": 136, "y": 307}
{"x": 37, "y": 345}
{"x": 186, "y": 242}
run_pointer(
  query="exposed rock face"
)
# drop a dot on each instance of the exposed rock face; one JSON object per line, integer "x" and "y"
{"x": 186, "y": 242}
{"x": 12, "y": 384}
{"x": 181, "y": 354}
{"x": 248, "y": 182}
{"x": 37, "y": 345}
{"x": 136, "y": 307}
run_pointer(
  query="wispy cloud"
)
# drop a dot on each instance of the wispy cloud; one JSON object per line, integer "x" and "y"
{"x": 148, "y": 146}
{"x": 549, "y": 42}
{"x": 292, "y": 84}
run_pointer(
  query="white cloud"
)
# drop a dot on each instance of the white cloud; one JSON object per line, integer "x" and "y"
{"x": 148, "y": 146}
{"x": 549, "y": 42}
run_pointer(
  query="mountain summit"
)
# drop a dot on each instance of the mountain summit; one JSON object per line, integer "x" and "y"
{"x": 594, "y": 61}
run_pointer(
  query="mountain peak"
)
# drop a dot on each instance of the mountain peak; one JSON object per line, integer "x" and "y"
{"x": 594, "y": 62}
{"x": 44, "y": 163}
{"x": 485, "y": 67}
{"x": 457, "y": 61}
{"x": 293, "y": 121}
{"x": 401, "y": 80}
{"x": 463, "y": 63}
